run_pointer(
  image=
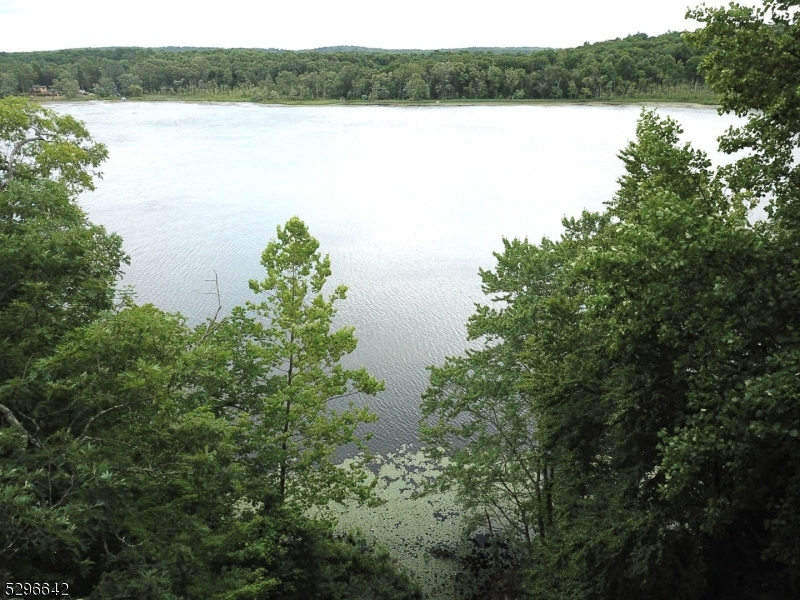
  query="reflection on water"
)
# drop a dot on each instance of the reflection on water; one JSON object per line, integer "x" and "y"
{"x": 408, "y": 202}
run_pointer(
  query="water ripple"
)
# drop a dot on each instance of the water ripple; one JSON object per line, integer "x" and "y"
{"x": 408, "y": 202}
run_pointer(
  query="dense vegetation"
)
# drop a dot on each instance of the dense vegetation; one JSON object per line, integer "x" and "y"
{"x": 140, "y": 458}
{"x": 631, "y": 422}
{"x": 637, "y": 66}
{"x": 628, "y": 427}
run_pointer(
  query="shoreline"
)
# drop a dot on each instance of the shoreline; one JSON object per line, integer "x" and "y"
{"x": 695, "y": 102}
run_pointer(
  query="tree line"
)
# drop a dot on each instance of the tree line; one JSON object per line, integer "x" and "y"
{"x": 636, "y": 66}
{"x": 629, "y": 424}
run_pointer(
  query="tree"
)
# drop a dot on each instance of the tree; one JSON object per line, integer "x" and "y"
{"x": 37, "y": 144}
{"x": 67, "y": 86}
{"x": 626, "y": 68}
{"x": 658, "y": 454}
{"x": 8, "y": 84}
{"x": 286, "y": 371}
{"x": 25, "y": 76}
{"x": 287, "y": 84}
{"x": 129, "y": 84}
{"x": 478, "y": 415}
{"x": 649, "y": 357}
{"x": 105, "y": 87}
{"x": 417, "y": 88}
{"x": 440, "y": 79}
{"x": 57, "y": 271}
{"x": 379, "y": 87}
{"x": 57, "y": 274}
{"x": 120, "y": 451}
{"x": 473, "y": 414}
{"x": 673, "y": 280}
{"x": 486, "y": 410}
{"x": 753, "y": 64}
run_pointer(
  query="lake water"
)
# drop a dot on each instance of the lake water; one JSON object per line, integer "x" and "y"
{"x": 408, "y": 201}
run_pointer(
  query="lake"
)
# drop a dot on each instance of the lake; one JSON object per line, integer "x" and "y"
{"x": 408, "y": 201}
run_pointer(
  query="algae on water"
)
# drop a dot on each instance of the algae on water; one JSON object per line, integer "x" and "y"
{"x": 422, "y": 533}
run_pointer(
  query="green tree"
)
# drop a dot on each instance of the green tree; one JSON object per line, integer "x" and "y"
{"x": 379, "y": 87}
{"x": 487, "y": 412}
{"x": 649, "y": 357}
{"x": 67, "y": 86}
{"x": 74, "y": 381}
{"x": 285, "y": 362}
{"x": 8, "y": 84}
{"x": 25, "y": 75}
{"x": 474, "y": 415}
{"x": 661, "y": 320}
{"x": 495, "y": 77}
{"x": 477, "y": 414}
{"x": 626, "y": 68}
{"x": 57, "y": 271}
{"x": 440, "y": 79}
{"x": 752, "y": 63}
{"x": 514, "y": 81}
{"x": 129, "y": 84}
{"x": 37, "y": 144}
{"x": 129, "y": 484}
{"x": 287, "y": 84}
{"x": 678, "y": 318}
{"x": 417, "y": 88}
{"x": 105, "y": 87}
{"x": 120, "y": 449}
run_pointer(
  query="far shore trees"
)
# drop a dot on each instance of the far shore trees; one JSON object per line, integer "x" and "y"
{"x": 638, "y": 66}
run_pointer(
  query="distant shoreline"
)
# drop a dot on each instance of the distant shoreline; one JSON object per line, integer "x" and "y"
{"x": 696, "y": 102}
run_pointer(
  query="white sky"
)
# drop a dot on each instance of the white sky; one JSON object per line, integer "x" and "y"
{"x": 303, "y": 24}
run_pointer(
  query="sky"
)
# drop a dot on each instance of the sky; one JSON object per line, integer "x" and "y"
{"x": 27, "y": 25}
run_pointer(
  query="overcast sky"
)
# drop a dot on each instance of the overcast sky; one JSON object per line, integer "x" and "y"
{"x": 304, "y": 24}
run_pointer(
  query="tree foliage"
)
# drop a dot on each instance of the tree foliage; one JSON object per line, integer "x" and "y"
{"x": 647, "y": 359}
{"x": 652, "y": 354}
{"x": 37, "y": 144}
{"x": 286, "y": 362}
{"x": 636, "y": 66}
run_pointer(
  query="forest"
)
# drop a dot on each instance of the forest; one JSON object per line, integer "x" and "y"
{"x": 638, "y": 66}
{"x": 625, "y": 424}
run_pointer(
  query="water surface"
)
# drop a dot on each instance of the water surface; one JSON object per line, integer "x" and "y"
{"x": 408, "y": 201}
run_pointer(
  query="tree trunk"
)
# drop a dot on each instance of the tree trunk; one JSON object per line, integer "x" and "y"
{"x": 285, "y": 442}
{"x": 539, "y": 507}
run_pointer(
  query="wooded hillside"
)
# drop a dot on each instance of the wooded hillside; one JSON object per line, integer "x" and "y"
{"x": 635, "y": 66}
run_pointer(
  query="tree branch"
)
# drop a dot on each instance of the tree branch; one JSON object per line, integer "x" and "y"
{"x": 17, "y": 425}
{"x": 212, "y": 324}
{"x": 12, "y": 157}
{"x": 101, "y": 413}
{"x": 9, "y": 289}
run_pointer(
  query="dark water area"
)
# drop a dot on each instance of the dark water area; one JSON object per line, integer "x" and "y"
{"x": 408, "y": 201}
